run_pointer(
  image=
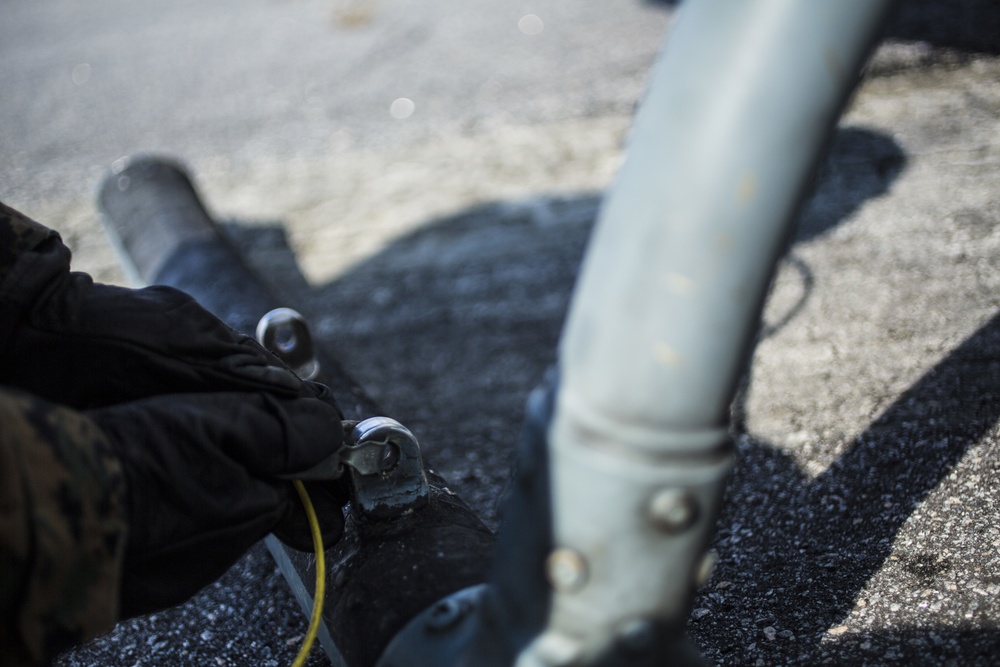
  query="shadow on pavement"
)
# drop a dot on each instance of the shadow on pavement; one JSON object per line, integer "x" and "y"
{"x": 860, "y": 165}
{"x": 798, "y": 551}
{"x": 452, "y": 325}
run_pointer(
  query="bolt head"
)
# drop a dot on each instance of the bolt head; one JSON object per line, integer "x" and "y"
{"x": 445, "y": 615}
{"x": 673, "y": 510}
{"x": 566, "y": 570}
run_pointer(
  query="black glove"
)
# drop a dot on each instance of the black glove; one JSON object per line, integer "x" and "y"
{"x": 84, "y": 345}
{"x": 201, "y": 483}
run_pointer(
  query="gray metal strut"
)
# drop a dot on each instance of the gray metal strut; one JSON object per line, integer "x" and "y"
{"x": 623, "y": 464}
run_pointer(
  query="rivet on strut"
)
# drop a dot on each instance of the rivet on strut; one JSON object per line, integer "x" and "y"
{"x": 554, "y": 649}
{"x": 566, "y": 570}
{"x": 673, "y": 510}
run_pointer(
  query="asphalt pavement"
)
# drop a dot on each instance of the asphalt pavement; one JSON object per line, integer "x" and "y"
{"x": 420, "y": 179}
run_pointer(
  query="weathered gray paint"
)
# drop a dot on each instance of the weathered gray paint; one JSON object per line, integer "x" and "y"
{"x": 742, "y": 102}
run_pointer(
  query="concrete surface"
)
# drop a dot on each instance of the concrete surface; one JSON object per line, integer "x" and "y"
{"x": 436, "y": 252}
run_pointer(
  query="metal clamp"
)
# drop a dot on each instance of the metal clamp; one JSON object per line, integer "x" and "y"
{"x": 383, "y": 460}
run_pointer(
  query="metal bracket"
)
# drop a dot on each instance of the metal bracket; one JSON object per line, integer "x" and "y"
{"x": 439, "y": 635}
{"x": 383, "y": 460}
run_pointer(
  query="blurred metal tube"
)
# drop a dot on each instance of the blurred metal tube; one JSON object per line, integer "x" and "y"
{"x": 164, "y": 236}
{"x": 722, "y": 152}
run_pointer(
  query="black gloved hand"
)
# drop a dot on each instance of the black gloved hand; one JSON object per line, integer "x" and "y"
{"x": 201, "y": 483}
{"x": 84, "y": 345}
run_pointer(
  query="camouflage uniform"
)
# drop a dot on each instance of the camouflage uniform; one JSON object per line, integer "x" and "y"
{"x": 62, "y": 514}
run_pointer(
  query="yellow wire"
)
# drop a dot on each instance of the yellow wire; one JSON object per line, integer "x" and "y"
{"x": 320, "y": 592}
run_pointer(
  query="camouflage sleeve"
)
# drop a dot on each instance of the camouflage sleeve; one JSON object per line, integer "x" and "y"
{"x": 62, "y": 529}
{"x": 18, "y": 234}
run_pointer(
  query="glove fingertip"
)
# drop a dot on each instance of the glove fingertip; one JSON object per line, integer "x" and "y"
{"x": 311, "y": 431}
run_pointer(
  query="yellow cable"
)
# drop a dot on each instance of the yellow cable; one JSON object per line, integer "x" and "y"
{"x": 320, "y": 592}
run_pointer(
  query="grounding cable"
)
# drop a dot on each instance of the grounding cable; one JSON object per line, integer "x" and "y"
{"x": 320, "y": 592}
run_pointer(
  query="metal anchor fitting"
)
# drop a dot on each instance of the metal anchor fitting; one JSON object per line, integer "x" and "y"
{"x": 380, "y": 455}
{"x": 285, "y": 333}
{"x": 382, "y": 460}
{"x": 386, "y": 470}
